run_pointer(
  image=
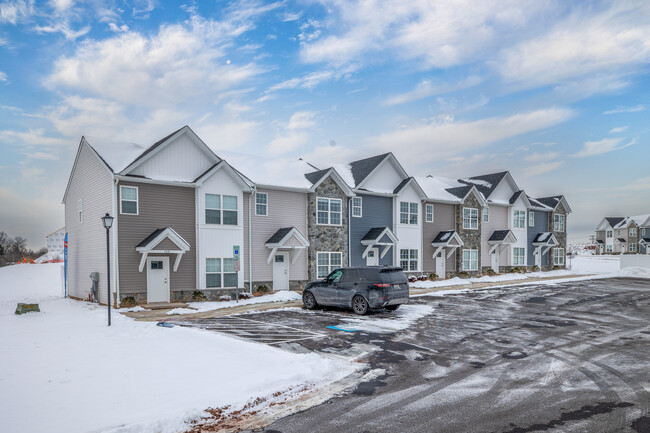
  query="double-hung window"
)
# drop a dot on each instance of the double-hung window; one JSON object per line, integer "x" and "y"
{"x": 408, "y": 213}
{"x": 519, "y": 219}
{"x": 80, "y": 210}
{"x": 633, "y": 231}
{"x": 558, "y": 222}
{"x": 408, "y": 260}
{"x": 609, "y": 249}
{"x": 558, "y": 256}
{"x": 129, "y": 200}
{"x": 609, "y": 233}
{"x": 221, "y": 209}
{"x": 261, "y": 203}
{"x": 220, "y": 272}
{"x": 326, "y": 262}
{"x": 356, "y": 207}
{"x": 328, "y": 211}
{"x": 470, "y": 260}
{"x": 486, "y": 214}
{"x": 633, "y": 247}
{"x": 518, "y": 256}
{"x": 531, "y": 218}
{"x": 429, "y": 213}
{"x": 470, "y": 218}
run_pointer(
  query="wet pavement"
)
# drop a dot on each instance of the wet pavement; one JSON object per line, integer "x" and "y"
{"x": 567, "y": 357}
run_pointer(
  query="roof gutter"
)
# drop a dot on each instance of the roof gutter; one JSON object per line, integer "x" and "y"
{"x": 156, "y": 182}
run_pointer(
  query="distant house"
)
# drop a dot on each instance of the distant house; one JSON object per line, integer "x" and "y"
{"x": 623, "y": 235}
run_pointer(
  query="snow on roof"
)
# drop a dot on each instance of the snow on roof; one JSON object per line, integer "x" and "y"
{"x": 345, "y": 170}
{"x": 478, "y": 182}
{"x": 436, "y": 188}
{"x": 639, "y": 220}
{"x": 446, "y": 236}
{"x": 117, "y": 154}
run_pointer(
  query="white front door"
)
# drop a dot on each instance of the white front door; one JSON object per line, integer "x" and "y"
{"x": 538, "y": 257}
{"x": 372, "y": 259}
{"x": 281, "y": 271}
{"x": 157, "y": 279}
{"x": 440, "y": 265}
{"x": 495, "y": 260}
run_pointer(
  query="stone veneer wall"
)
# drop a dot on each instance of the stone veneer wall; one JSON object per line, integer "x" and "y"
{"x": 560, "y": 236}
{"x": 471, "y": 238}
{"x": 327, "y": 238}
{"x": 633, "y": 240}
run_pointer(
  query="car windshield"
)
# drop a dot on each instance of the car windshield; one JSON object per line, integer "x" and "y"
{"x": 394, "y": 277}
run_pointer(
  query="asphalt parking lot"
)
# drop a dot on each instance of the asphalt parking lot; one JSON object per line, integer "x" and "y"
{"x": 568, "y": 357}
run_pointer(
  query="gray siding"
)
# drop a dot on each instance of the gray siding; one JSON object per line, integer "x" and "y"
{"x": 376, "y": 211}
{"x": 285, "y": 209}
{"x": 92, "y": 182}
{"x": 444, "y": 218}
{"x": 159, "y": 206}
{"x": 541, "y": 226}
{"x": 498, "y": 220}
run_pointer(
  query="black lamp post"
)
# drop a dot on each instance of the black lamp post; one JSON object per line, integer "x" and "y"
{"x": 107, "y": 220}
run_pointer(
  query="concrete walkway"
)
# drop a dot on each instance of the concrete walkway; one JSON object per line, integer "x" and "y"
{"x": 159, "y": 315}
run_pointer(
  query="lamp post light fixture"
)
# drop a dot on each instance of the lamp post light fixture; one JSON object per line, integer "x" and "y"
{"x": 107, "y": 220}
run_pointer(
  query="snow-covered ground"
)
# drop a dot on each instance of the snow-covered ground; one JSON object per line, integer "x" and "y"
{"x": 199, "y": 307}
{"x": 64, "y": 370}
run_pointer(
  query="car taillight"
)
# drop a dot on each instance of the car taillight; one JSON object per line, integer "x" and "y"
{"x": 382, "y": 285}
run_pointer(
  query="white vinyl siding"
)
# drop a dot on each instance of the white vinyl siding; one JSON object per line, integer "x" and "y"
{"x": 429, "y": 213}
{"x": 610, "y": 233}
{"x": 261, "y": 204}
{"x": 220, "y": 272}
{"x": 129, "y": 200}
{"x": 408, "y": 213}
{"x": 470, "y": 260}
{"x": 408, "y": 259}
{"x": 357, "y": 207}
{"x": 328, "y": 211}
{"x": 531, "y": 219}
{"x": 558, "y": 256}
{"x": 558, "y": 222}
{"x": 80, "y": 210}
{"x": 470, "y": 218}
{"x": 518, "y": 256}
{"x": 486, "y": 214}
{"x": 327, "y": 262}
{"x": 519, "y": 221}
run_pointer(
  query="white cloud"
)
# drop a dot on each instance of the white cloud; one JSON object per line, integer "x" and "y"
{"x": 427, "y": 88}
{"x": 537, "y": 169}
{"x": 295, "y": 133}
{"x": 617, "y": 129}
{"x": 16, "y": 11}
{"x": 37, "y": 138}
{"x": 606, "y": 145}
{"x": 311, "y": 80}
{"x": 431, "y": 141}
{"x": 32, "y": 174}
{"x": 115, "y": 28}
{"x": 632, "y": 109}
{"x": 3, "y": 76}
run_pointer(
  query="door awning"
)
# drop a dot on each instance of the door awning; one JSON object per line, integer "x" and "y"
{"x": 448, "y": 239}
{"x": 502, "y": 237}
{"x": 162, "y": 241}
{"x": 621, "y": 240}
{"x": 378, "y": 237}
{"x": 545, "y": 239}
{"x": 286, "y": 238}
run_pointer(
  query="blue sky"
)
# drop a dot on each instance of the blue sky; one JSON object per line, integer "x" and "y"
{"x": 556, "y": 92}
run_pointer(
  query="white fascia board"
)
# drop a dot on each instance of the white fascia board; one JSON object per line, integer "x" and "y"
{"x": 606, "y": 225}
{"x": 223, "y": 165}
{"x": 358, "y": 191}
{"x": 566, "y": 205}
{"x": 454, "y": 236}
{"x": 153, "y": 181}
{"x": 337, "y": 178}
{"x": 281, "y": 188}
{"x": 397, "y": 166}
{"x": 478, "y": 195}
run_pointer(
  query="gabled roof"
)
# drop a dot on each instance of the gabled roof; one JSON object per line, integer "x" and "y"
{"x": 645, "y": 241}
{"x": 445, "y": 237}
{"x": 546, "y": 238}
{"x": 437, "y": 188}
{"x": 375, "y": 235}
{"x": 639, "y": 220}
{"x": 535, "y": 203}
{"x": 614, "y": 221}
{"x": 554, "y": 201}
{"x": 242, "y": 180}
{"x": 282, "y": 235}
{"x": 502, "y": 236}
{"x": 408, "y": 181}
{"x": 317, "y": 177}
{"x": 150, "y": 242}
{"x": 621, "y": 240}
{"x": 487, "y": 183}
{"x": 363, "y": 168}
{"x": 599, "y": 241}
{"x": 462, "y": 192}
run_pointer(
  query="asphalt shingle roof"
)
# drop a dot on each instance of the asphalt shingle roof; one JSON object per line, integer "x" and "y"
{"x": 498, "y": 235}
{"x": 459, "y": 191}
{"x": 315, "y": 176}
{"x": 550, "y": 201}
{"x": 150, "y": 238}
{"x": 443, "y": 236}
{"x": 542, "y": 237}
{"x": 373, "y": 234}
{"x": 401, "y": 185}
{"x": 363, "y": 167}
{"x": 515, "y": 196}
{"x": 492, "y": 179}
{"x": 613, "y": 221}
{"x": 621, "y": 240}
{"x": 279, "y": 235}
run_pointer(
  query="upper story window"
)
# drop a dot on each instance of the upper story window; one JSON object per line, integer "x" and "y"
{"x": 80, "y": 210}
{"x": 558, "y": 222}
{"x": 531, "y": 218}
{"x": 642, "y": 232}
{"x": 470, "y": 218}
{"x": 261, "y": 203}
{"x": 408, "y": 213}
{"x": 429, "y": 213}
{"x": 129, "y": 200}
{"x": 220, "y": 209}
{"x": 356, "y": 207}
{"x": 633, "y": 231}
{"x": 609, "y": 233}
{"x": 486, "y": 214}
{"x": 328, "y": 211}
{"x": 618, "y": 232}
{"x": 519, "y": 221}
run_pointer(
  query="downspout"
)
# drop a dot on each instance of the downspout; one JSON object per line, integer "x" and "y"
{"x": 250, "y": 239}
{"x": 116, "y": 265}
{"x": 197, "y": 215}
{"x": 421, "y": 219}
{"x": 349, "y": 231}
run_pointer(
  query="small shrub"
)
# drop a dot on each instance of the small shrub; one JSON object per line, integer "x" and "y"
{"x": 515, "y": 270}
{"x": 490, "y": 272}
{"x": 224, "y": 298}
{"x": 262, "y": 288}
{"x": 412, "y": 279}
{"x": 245, "y": 295}
{"x": 524, "y": 270}
{"x": 556, "y": 268}
{"x": 534, "y": 269}
{"x": 433, "y": 276}
{"x": 463, "y": 274}
{"x": 422, "y": 278}
{"x": 198, "y": 296}
{"x": 128, "y": 302}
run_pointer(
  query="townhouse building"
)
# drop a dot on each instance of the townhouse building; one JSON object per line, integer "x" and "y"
{"x": 181, "y": 212}
{"x": 623, "y": 235}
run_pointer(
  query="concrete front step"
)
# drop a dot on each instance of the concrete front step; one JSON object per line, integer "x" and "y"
{"x": 164, "y": 305}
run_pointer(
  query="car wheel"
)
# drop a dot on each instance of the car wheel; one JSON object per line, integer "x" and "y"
{"x": 359, "y": 305}
{"x": 309, "y": 300}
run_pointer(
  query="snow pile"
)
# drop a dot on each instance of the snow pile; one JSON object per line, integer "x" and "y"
{"x": 64, "y": 370}
{"x": 584, "y": 264}
{"x": 439, "y": 283}
{"x": 400, "y": 319}
{"x": 634, "y": 272}
{"x": 199, "y": 307}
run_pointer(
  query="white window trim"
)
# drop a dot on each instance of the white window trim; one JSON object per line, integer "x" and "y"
{"x": 558, "y": 256}
{"x": 410, "y": 260}
{"x": 266, "y": 206}
{"x": 515, "y": 262}
{"x": 80, "y": 210}
{"x": 462, "y": 261}
{"x": 609, "y": 234}
{"x": 562, "y": 222}
{"x": 635, "y": 231}
{"x": 221, "y": 211}
{"x": 518, "y": 223}
{"x": 633, "y": 247}
{"x": 360, "y": 207}
{"x": 486, "y": 212}
{"x": 330, "y": 268}
{"x": 470, "y": 218}
{"x": 329, "y": 212}
{"x": 531, "y": 218}
{"x": 222, "y": 273}
{"x": 409, "y": 213}
{"x": 426, "y": 213}
{"x": 137, "y": 199}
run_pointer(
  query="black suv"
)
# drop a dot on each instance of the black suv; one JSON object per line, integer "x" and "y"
{"x": 361, "y": 289}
